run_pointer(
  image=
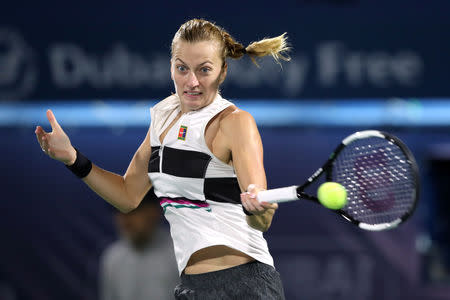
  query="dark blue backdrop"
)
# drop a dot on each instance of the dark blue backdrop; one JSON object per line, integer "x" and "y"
{"x": 54, "y": 227}
{"x": 341, "y": 49}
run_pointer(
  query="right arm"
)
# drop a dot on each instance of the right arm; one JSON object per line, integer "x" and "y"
{"x": 123, "y": 192}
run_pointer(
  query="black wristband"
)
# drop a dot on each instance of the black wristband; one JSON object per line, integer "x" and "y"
{"x": 82, "y": 165}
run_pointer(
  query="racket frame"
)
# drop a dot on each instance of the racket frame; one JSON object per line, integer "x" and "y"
{"x": 288, "y": 193}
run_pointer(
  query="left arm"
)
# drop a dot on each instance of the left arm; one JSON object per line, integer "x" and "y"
{"x": 243, "y": 139}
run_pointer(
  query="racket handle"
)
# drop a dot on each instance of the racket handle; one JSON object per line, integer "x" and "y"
{"x": 278, "y": 195}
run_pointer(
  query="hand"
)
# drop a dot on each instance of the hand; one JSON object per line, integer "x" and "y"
{"x": 56, "y": 144}
{"x": 252, "y": 205}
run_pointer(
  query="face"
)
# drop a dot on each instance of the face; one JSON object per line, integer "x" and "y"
{"x": 197, "y": 71}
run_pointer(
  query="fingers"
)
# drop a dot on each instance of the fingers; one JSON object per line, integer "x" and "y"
{"x": 54, "y": 142}
{"x": 251, "y": 204}
{"x": 268, "y": 205}
{"x": 43, "y": 139}
{"x": 51, "y": 118}
{"x": 40, "y": 133}
{"x": 43, "y": 136}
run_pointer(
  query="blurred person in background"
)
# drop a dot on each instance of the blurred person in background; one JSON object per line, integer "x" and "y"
{"x": 141, "y": 264}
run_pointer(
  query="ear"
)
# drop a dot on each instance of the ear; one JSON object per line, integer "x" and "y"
{"x": 223, "y": 74}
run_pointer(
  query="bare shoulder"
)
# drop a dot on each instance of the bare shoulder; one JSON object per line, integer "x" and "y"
{"x": 144, "y": 149}
{"x": 234, "y": 118}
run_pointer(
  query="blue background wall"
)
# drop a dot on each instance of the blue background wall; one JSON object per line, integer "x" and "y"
{"x": 54, "y": 227}
{"x": 340, "y": 48}
{"x": 356, "y": 65}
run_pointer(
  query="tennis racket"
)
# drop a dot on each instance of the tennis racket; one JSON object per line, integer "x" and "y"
{"x": 379, "y": 173}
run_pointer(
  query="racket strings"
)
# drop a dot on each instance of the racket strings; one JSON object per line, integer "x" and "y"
{"x": 378, "y": 178}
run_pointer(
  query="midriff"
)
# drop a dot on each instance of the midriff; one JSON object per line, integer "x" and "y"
{"x": 215, "y": 258}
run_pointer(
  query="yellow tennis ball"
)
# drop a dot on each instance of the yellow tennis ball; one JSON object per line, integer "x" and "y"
{"x": 332, "y": 195}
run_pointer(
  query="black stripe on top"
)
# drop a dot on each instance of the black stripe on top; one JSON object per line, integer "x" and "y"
{"x": 153, "y": 164}
{"x": 193, "y": 164}
{"x": 184, "y": 163}
{"x": 224, "y": 189}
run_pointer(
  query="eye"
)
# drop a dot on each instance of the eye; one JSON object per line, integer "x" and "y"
{"x": 205, "y": 70}
{"x": 181, "y": 68}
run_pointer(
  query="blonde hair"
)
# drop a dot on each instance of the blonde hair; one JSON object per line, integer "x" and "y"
{"x": 197, "y": 30}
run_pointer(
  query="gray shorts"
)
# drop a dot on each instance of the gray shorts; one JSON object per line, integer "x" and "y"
{"x": 253, "y": 280}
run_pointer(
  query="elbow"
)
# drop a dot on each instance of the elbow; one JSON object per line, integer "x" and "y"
{"x": 133, "y": 205}
{"x": 129, "y": 206}
{"x": 126, "y": 209}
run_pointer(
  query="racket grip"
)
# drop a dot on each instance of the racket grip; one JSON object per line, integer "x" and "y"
{"x": 278, "y": 195}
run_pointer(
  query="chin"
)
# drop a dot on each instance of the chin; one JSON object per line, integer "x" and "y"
{"x": 193, "y": 104}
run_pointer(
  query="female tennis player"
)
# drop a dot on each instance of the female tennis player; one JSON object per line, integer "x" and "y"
{"x": 204, "y": 158}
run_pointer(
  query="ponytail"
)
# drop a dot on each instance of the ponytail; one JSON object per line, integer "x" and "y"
{"x": 201, "y": 30}
{"x": 277, "y": 47}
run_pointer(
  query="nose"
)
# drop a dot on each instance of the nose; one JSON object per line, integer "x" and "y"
{"x": 192, "y": 80}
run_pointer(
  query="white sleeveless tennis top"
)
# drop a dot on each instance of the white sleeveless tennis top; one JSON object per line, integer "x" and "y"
{"x": 199, "y": 193}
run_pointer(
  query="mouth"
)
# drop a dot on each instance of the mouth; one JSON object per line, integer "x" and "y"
{"x": 192, "y": 94}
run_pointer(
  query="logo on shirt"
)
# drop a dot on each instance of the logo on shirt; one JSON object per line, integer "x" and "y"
{"x": 182, "y": 133}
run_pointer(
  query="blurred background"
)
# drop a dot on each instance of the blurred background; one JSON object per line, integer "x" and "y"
{"x": 356, "y": 65}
